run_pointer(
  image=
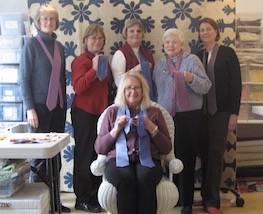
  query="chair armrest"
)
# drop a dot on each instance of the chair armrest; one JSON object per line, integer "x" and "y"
{"x": 175, "y": 167}
{"x": 98, "y": 166}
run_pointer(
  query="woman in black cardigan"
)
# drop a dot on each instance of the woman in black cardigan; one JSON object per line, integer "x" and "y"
{"x": 220, "y": 109}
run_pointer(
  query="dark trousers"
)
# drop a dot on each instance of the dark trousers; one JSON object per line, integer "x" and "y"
{"x": 212, "y": 143}
{"x": 136, "y": 186}
{"x": 85, "y": 184}
{"x": 187, "y": 125}
{"x": 49, "y": 121}
{"x": 53, "y": 121}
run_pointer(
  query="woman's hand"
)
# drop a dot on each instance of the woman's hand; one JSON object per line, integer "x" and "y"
{"x": 138, "y": 67}
{"x": 32, "y": 118}
{"x": 149, "y": 125}
{"x": 120, "y": 124}
{"x": 232, "y": 123}
{"x": 95, "y": 61}
{"x": 188, "y": 76}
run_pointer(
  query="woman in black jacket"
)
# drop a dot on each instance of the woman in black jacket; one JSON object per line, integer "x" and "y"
{"x": 220, "y": 109}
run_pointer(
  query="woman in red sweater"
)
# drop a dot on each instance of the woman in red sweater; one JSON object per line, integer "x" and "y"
{"x": 91, "y": 77}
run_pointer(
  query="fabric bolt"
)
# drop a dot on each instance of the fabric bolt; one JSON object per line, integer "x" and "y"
{"x": 102, "y": 70}
{"x": 54, "y": 84}
{"x": 146, "y": 72}
{"x": 179, "y": 88}
{"x": 211, "y": 95}
{"x": 122, "y": 159}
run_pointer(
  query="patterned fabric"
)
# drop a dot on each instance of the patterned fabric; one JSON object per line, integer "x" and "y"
{"x": 155, "y": 15}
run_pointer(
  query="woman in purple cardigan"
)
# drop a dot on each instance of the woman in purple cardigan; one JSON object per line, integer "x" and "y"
{"x": 133, "y": 135}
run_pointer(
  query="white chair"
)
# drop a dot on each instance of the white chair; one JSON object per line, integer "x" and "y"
{"x": 167, "y": 192}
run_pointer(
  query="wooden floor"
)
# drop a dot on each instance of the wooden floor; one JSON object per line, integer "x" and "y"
{"x": 253, "y": 203}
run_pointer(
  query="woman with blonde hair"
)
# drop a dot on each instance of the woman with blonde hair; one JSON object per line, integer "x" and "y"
{"x": 133, "y": 135}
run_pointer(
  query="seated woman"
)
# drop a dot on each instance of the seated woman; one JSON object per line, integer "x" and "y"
{"x": 133, "y": 135}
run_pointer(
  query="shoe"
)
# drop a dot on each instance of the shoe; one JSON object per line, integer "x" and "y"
{"x": 64, "y": 209}
{"x": 212, "y": 210}
{"x": 186, "y": 210}
{"x": 93, "y": 208}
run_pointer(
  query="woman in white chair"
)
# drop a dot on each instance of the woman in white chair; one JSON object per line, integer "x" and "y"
{"x": 133, "y": 135}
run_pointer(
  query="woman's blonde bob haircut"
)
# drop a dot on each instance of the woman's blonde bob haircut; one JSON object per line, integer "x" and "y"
{"x": 174, "y": 32}
{"x": 46, "y": 8}
{"x": 130, "y": 23}
{"x": 120, "y": 97}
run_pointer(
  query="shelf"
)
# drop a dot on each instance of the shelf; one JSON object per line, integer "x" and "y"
{"x": 250, "y": 121}
{"x": 257, "y": 110}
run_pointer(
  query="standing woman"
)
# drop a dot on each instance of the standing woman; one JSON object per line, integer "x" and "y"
{"x": 181, "y": 81}
{"x": 91, "y": 77}
{"x": 133, "y": 56}
{"x": 42, "y": 81}
{"x": 221, "y": 108}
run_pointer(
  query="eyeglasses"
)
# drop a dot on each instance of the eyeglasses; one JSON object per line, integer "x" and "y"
{"x": 46, "y": 19}
{"x": 170, "y": 42}
{"x": 92, "y": 38}
{"x": 136, "y": 89}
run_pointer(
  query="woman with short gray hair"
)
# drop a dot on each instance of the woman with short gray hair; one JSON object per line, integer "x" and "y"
{"x": 180, "y": 81}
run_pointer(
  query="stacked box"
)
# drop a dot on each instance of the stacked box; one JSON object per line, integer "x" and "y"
{"x": 12, "y": 181}
{"x": 13, "y": 24}
{"x": 11, "y": 111}
{"x": 10, "y": 56}
{"x": 31, "y": 199}
{"x": 9, "y": 73}
{"x": 10, "y": 93}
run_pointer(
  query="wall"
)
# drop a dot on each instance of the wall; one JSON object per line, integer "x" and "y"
{"x": 249, "y": 6}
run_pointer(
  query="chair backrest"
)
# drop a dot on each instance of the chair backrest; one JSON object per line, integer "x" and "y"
{"x": 169, "y": 123}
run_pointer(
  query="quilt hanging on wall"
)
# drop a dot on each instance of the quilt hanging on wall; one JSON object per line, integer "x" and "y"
{"x": 156, "y": 16}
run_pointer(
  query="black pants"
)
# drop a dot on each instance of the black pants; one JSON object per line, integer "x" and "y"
{"x": 187, "y": 125}
{"x": 53, "y": 121}
{"x": 136, "y": 186}
{"x": 85, "y": 184}
{"x": 213, "y": 135}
